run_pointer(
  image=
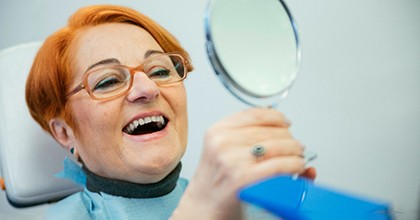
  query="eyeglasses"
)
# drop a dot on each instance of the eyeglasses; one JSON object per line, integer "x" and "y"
{"x": 110, "y": 82}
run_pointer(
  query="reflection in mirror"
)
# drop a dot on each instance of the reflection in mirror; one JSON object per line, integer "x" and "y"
{"x": 254, "y": 48}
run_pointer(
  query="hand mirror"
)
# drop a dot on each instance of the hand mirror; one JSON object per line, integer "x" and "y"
{"x": 254, "y": 48}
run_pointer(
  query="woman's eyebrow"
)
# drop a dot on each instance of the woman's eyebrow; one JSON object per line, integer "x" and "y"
{"x": 116, "y": 61}
{"x": 150, "y": 52}
{"x": 102, "y": 62}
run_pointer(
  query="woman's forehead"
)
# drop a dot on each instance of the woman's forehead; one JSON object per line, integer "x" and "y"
{"x": 124, "y": 42}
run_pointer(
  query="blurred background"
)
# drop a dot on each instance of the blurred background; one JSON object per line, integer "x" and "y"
{"x": 356, "y": 101}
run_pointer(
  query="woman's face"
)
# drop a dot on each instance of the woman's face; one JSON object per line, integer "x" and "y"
{"x": 101, "y": 140}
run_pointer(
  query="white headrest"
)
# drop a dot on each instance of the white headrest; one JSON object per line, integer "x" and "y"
{"x": 29, "y": 156}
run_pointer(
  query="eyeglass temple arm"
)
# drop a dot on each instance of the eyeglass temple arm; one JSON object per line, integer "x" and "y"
{"x": 75, "y": 90}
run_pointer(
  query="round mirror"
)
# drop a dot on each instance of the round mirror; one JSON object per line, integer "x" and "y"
{"x": 253, "y": 46}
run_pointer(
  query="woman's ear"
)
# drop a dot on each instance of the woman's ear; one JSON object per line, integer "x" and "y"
{"x": 62, "y": 133}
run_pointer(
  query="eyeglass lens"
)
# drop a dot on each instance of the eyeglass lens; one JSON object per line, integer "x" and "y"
{"x": 109, "y": 81}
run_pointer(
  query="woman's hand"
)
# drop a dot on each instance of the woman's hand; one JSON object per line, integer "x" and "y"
{"x": 227, "y": 163}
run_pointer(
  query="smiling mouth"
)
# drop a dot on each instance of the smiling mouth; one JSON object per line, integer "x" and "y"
{"x": 146, "y": 125}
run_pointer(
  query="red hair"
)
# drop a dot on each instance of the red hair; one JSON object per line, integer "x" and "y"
{"x": 51, "y": 73}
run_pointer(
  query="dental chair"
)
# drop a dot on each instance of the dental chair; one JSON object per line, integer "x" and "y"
{"x": 29, "y": 156}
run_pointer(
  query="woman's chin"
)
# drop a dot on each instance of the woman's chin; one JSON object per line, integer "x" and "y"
{"x": 155, "y": 168}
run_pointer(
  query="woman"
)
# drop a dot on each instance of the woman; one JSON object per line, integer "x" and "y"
{"x": 108, "y": 87}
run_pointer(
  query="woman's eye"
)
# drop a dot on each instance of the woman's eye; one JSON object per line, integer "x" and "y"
{"x": 160, "y": 73}
{"x": 108, "y": 83}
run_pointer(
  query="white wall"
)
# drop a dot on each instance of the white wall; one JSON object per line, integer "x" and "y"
{"x": 356, "y": 101}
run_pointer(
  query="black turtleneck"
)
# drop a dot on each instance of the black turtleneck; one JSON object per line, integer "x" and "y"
{"x": 95, "y": 183}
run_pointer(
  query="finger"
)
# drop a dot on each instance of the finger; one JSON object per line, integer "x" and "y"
{"x": 271, "y": 148}
{"x": 256, "y": 135}
{"x": 244, "y": 156}
{"x": 309, "y": 173}
{"x": 219, "y": 140}
{"x": 263, "y": 132}
{"x": 256, "y": 117}
{"x": 282, "y": 147}
{"x": 274, "y": 166}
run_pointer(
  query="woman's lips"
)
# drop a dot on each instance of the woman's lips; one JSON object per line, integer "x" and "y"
{"x": 145, "y": 125}
{"x": 149, "y": 136}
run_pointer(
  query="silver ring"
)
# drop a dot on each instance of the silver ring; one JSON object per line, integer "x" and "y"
{"x": 258, "y": 151}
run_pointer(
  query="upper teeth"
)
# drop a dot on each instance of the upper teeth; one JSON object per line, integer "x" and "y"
{"x": 142, "y": 121}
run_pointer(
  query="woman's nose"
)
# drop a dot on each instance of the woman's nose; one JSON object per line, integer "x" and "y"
{"x": 143, "y": 89}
